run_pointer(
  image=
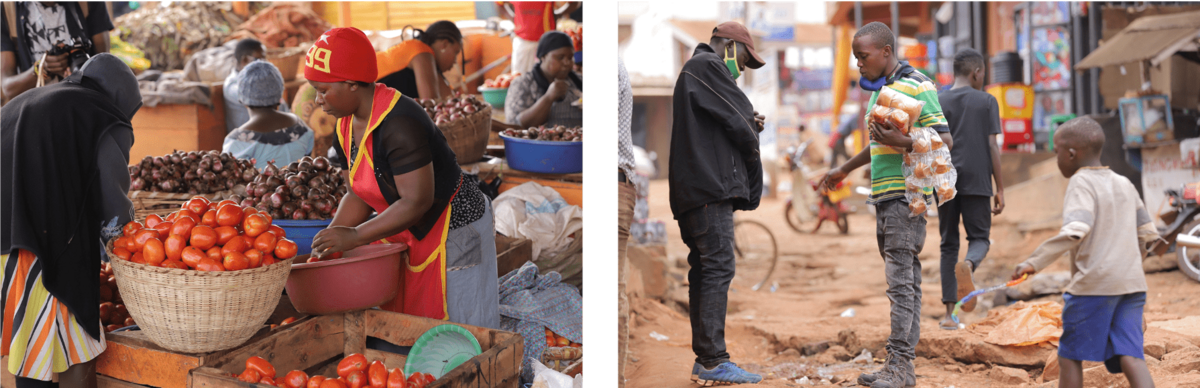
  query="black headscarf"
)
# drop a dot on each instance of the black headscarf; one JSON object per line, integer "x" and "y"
{"x": 550, "y": 41}
{"x": 51, "y": 201}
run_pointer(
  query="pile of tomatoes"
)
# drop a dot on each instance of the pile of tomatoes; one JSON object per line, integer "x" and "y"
{"x": 502, "y": 81}
{"x": 557, "y": 341}
{"x": 353, "y": 372}
{"x": 112, "y": 310}
{"x": 206, "y": 236}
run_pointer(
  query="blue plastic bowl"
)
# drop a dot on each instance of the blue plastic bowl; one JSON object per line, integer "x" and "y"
{"x": 541, "y": 156}
{"x": 302, "y": 232}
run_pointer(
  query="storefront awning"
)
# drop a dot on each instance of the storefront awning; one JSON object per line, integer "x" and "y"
{"x": 1151, "y": 38}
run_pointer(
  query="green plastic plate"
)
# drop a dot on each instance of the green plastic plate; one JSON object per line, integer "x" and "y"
{"x": 440, "y": 350}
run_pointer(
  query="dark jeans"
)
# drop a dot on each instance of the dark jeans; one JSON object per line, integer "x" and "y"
{"x": 708, "y": 233}
{"x": 901, "y": 238}
{"x": 976, "y": 214}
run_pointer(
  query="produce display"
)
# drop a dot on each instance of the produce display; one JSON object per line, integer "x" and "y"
{"x": 556, "y": 341}
{"x": 113, "y": 313}
{"x": 452, "y": 109}
{"x": 576, "y": 35}
{"x": 169, "y": 35}
{"x": 502, "y": 81}
{"x": 557, "y": 133}
{"x": 308, "y": 189}
{"x": 282, "y": 25}
{"x": 353, "y": 372}
{"x": 204, "y": 236}
{"x": 191, "y": 172}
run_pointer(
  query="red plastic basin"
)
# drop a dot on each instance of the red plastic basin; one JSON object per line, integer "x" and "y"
{"x": 364, "y": 277}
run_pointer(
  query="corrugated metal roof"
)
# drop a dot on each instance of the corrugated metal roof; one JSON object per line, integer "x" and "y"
{"x": 1144, "y": 39}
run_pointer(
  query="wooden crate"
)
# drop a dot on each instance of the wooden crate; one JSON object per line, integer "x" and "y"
{"x": 316, "y": 344}
{"x": 512, "y": 253}
{"x": 162, "y": 129}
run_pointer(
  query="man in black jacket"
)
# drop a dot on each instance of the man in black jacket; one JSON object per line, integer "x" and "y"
{"x": 714, "y": 170}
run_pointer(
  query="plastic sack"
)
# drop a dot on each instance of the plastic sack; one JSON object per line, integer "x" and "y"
{"x": 894, "y": 100}
{"x": 544, "y": 377}
{"x": 1022, "y": 324}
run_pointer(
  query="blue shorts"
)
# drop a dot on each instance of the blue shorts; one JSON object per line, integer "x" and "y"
{"x": 1102, "y": 328}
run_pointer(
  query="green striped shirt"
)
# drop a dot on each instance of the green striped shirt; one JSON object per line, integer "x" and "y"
{"x": 887, "y": 174}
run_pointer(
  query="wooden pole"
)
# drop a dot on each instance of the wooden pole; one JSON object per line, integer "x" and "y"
{"x": 344, "y": 14}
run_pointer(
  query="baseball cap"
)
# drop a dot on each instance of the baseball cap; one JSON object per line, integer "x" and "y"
{"x": 738, "y": 33}
{"x": 341, "y": 54}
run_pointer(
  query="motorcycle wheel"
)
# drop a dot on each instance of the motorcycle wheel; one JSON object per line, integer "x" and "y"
{"x": 1189, "y": 259}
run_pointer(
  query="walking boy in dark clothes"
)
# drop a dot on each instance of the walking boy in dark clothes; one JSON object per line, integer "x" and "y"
{"x": 715, "y": 169}
{"x": 974, "y": 118}
{"x": 1106, "y": 230}
{"x": 900, "y": 236}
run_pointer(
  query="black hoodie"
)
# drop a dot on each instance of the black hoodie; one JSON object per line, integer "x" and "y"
{"x": 59, "y": 143}
{"x": 714, "y": 144}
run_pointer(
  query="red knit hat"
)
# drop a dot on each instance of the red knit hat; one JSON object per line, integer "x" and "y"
{"x": 341, "y": 54}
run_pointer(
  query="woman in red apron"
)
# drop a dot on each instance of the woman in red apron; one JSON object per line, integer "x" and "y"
{"x": 400, "y": 167}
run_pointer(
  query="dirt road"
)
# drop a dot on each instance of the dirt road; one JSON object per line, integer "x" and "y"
{"x": 797, "y": 332}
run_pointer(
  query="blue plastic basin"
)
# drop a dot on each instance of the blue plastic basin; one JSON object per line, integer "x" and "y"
{"x": 541, "y": 156}
{"x": 302, "y": 232}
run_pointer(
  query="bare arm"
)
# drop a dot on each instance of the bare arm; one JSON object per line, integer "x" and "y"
{"x": 837, "y": 174}
{"x": 539, "y": 112}
{"x": 946, "y": 138}
{"x": 995, "y": 150}
{"x": 351, "y": 212}
{"x": 100, "y": 43}
{"x": 425, "y": 70}
{"x": 416, "y": 196}
{"x": 14, "y": 84}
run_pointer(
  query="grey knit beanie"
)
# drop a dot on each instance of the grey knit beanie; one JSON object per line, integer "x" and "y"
{"x": 261, "y": 84}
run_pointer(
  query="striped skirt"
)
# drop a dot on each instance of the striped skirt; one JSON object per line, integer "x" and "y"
{"x": 39, "y": 334}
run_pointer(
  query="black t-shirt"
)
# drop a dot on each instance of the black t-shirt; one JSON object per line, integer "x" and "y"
{"x": 973, "y": 116}
{"x": 40, "y": 27}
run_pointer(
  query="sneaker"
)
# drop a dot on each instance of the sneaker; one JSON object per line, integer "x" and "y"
{"x": 896, "y": 376}
{"x": 727, "y": 373}
{"x": 963, "y": 273}
{"x": 868, "y": 379}
{"x": 696, "y": 372}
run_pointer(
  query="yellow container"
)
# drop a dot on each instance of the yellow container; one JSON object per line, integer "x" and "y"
{"x": 1015, "y": 100}
{"x": 836, "y": 196}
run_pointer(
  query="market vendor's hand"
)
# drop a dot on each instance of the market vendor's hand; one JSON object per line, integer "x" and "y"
{"x": 1022, "y": 270}
{"x": 890, "y": 136}
{"x": 832, "y": 178}
{"x": 335, "y": 239}
{"x": 759, "y": 122}
{"x": 56, "y": 64}
{"x": 558, "y": 89}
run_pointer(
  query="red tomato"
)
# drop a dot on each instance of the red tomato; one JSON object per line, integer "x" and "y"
{"x": 173, "y": 264}
{"x": 183, "y": 226}
{"x": 353, "y": 363}
{"x": 139, "y": 240}
{"x": 295, "y": 379}
{"x": 357, "y": 379}
{"x": 416, "y": 381}
{"x": 253, "y": 258}
{"x": 429, "y": 379}
{"x": 288, "y": 320}
{"x": 132, "y": 227}
{"x": 261, "y": 365}
{"x": 203, "y": 237}
{"x": 229, "y": 215}
{"x": 209, "y": 265}
{"x": 122, "y": 253}
{"x": 170, "y": 217}
{"x": 265, "y": 242}
{"x": 237, "y": 244}
{"x": 197, "y": 205}
{"x": 213, "y": 253}
{"x": 313, "y": 259}
{"x": 250, "y": 376}
{"x": 222, "y": 203}
{"x": 225, "y": 233}
{"x": 279, "y": 232}
{"x": 268, "y": 260}
{"x": 377, "y": 375}
{"x": 396, "y": 379}
{"x": 154, "y": 252}
{"x": 255, "y": 224}
{"x": 137, "y": 258}
{"x": 173, "y": 247}
{"x": 267, "y": 380}
{"x": 333, "y": 383}
{"x": 209, "y": 218}
{"x": 192, "y": 256}
{"x": 315, "y": 381}
{"x": 152, "y": 220}
{"x": 235, "y": 261}
{"x": 164, "y": 228}
{"x": 187, "y": 213}
{"x": 285, "y": 249}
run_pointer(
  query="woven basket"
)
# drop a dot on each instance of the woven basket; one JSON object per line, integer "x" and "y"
{"x": 287, "y": 60}
{"x": 149, "y": 202}
{"x": 468, "y": 136}
{"x": 558, "y": 358}
{"x": 199, "y": 312}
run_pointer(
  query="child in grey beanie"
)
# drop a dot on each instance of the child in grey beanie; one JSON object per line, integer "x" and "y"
{"x": 269, "y": 135}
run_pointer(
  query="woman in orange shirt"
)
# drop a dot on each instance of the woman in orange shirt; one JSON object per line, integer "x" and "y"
{"x": 415, "y": 66}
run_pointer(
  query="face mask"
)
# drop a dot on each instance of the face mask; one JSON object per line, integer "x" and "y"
{"x": 731, "y": 63}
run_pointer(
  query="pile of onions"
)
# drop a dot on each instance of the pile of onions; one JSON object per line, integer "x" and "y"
{"x": 557, "y": 133}
{"x": 191, "y": 172}
{"x": 308, "y": 189}
{"x": 452, "y": 109}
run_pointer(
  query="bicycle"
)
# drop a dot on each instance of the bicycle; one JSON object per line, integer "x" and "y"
{"x": 756, "y": 254}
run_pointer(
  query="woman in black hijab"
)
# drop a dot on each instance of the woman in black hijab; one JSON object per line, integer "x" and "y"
{"x": 64, "y": 184}
{"x": 547, "y": 93}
